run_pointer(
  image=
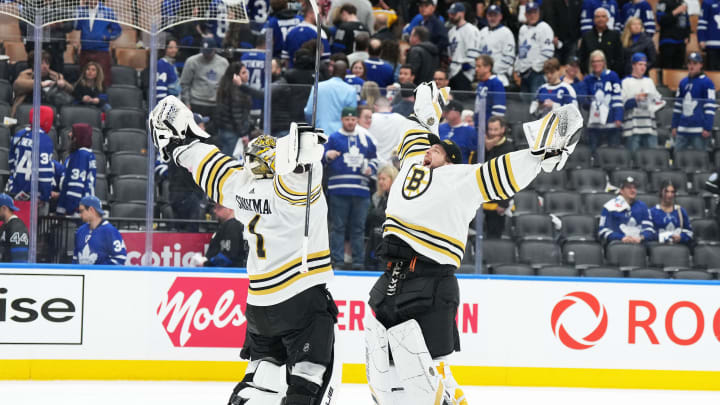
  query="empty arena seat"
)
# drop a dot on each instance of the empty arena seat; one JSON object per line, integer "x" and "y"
{"x": 648, "y": 273}
{"x": 584, "y": 180}
{"x": 652, "y": 159}
{"x": 124, "y": 118}
{"x": 533, "y": 226}
{"x": 584, "y": 253}
{"x": 101, "y": 187}
{"x": 74, "y": 114}
{"x": 603, "y": 271}
{"x": 98, "y": 141}
{"x": 22, "y": 114}
{"x": 539, "y": 252}
{"x": 6, "y": 91}
{"x": 526, "y": 202}
{"x": 120, "y": 96}
{"x": 581, "y": 158}
{"x": 706, "y": 231}
{"x": 692, "y": 274}
{"x": 694, "y": 205}
{"x": 127, "y": 210}
{"x": 626, "y": 255}
{"x": 678, "y": 178}
{"x": 593, "y": 202}
{"x": 692, "y": 161}
{"x": 558, "y": 271}
{"x": 706, "y": 256}
{"x": 498, "y": 251}
{"x": 101, "y": 163}
{"x": 4, "y": 166}
{"x": 562, "y": 202}
{"x": 124, "y": 163}
{"x": 674, "y": 256}
{"x": 124, "y": 75}
{"x": 129, "y": 189}
{"x": 698, "y": 183}
{"x": 126, "y": 140}
{"x": 5, "y": 137}
{"x": 553, "y": 181}
{"x": 579, "y": 227}
{"x": 514, "y": 269}
{"x": 613, "y": 157}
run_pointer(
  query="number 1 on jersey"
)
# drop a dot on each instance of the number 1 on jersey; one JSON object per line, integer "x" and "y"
{"x": 260, "y": 244}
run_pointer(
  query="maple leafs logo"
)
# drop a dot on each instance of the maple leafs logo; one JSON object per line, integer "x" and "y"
{"x": 86, "y": 256}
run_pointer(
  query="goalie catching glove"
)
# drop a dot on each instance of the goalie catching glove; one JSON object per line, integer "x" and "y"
{"x": 303, "y": 145}
{"x": 554, "y": 137}
{"x": 172, "y": 125}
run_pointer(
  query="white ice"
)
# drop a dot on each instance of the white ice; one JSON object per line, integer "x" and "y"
{"x": 216, "y": 393}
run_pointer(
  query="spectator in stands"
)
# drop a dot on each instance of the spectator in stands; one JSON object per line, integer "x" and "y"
{"x": 695, "y": 108}
{"x": 333, "y": 96}
{"x": 369, "y": 93}
{"x": 634, "y": 40}
{"x": 671, "y": 223}
{"x": 497, "y": 41}
{"x": 89, "y": 89}
{"x": 97, "y": 25}
{"x": 554, "y": 93}
{"x": 58, "y": 171}
{"x": 587, "y": 15}
{"x": 383, "y": 31}
{"x": 51, "y": 82}
{"x": 436, "y": 27}
{"x": 674, "y": 24}
{"x": 300, "y": 79}
{"x": 201, "y": 77}
{"x": 362, "y": 44}
{"x": 496, "y": 144}
{"x": 464, "y": 136}
{"x": 641, "y": 99}
{"x": 365, "y": 113}
{"x": 168, "y": 79}
{"x": 423, "y": 55}
{"x": 254, "y": 62}
{"x": 363, "y": 7}
{"x": 561, "y": 16}
{"x": 535, "y": 46}
{"x": 441, "y": 79}
{"x": 97, "y": 241}
{"x": 376, "y": 69}
{"x": 605, "y": 103}
{"x": 349, "y": 27}
{"x": 54, "y": 39}
{"x": 641, "y": 10}
{"x": 376, "y": 215}
{"x": 356, "y": 78}
{"x": 350, "y": 159}
{"x": 303, "y": 32}
{"x": 708, "y": 33}
{"x": 232, "y": 114}
{"x": 386, "y": 128}
{"x": 14, "y": 240}
{"x": 625, "y": 218}
{"x": 227, "y": 247}
{"x": 281, "y": 21}
{"x": 490, "y": 90}
{"x": 464, "y": 48}
{"x": 572, "y": 77}
{"x": 78, "y": 180}
{"x": 20, "y": 160}
{"x": 392, "y": 53}
{"x": 406, "y": 105}
{"x": 602, "y": 37}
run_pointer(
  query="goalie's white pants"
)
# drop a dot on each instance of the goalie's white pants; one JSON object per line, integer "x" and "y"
{"x": 414, "y": 377}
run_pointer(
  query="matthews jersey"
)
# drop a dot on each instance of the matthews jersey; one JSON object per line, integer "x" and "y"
{"x": 302, "y": 33}
{"x": 708, "y": 29}
{"x": 77, "y": 181}
{"x": 14, "y": 241}
{"x": 273, "y": 214}
{"x": 588, "y": 13}
{"x": 464, "y": 47}
{"x": 499, "y": 43}
{"x": 102, "y": 245}
{"x": 535, "y": 46}
{"x": 431, "y": 209}
{"x": 694, "y": 105}
{"x": 167, "y": 80}
{"x": 642, "y": 10}
{"x": 20, "y": 164}
{"x": 255, "y": 63}
{"x": 281, "y": 23}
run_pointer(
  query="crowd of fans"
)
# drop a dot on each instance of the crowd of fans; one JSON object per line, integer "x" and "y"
{"x": 595, "y": 54}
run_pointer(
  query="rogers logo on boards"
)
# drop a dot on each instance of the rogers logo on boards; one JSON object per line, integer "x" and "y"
{"x": 561, "y": 333}
{"x": 205, "y": 312}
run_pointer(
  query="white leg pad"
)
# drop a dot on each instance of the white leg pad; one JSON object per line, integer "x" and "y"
{"x": 382, "y": 378}
{"x": 267, "y": 387}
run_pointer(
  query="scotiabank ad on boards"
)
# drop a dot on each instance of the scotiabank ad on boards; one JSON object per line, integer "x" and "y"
{"x": 169, "y": 315}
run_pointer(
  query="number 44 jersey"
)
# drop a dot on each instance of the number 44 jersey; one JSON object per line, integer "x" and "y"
{"x": 273, "y": 214}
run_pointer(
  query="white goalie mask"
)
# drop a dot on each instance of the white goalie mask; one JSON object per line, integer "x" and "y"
{"x": 429, "y": 103}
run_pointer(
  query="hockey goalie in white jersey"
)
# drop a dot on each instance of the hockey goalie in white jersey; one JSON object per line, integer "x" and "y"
{"x": 290, "y": 313}
{"x": 430, "y": 206}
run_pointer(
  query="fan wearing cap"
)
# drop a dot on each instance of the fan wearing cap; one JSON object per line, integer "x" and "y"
{"x": 97, "y": 241}
{"x": 78, "y": 180}
{"x": 454, "y": 129}
{"x": 535, "y": 46}
{"x": 350, "y": 157}
{"x": 200, "y": 78}
{"x": 464, "y": 48}
{"x": 20, "y": 159}
{"x": 625, "y": 218}
{"x": 430, "y": 206}
{"x": 641, "y": 100}
{"x": 497, "y": 41}
{"x": 695, "y": 108}
{"x": 13, "y": 233}
{"x": 708, "y": 33}
{"x": 434, "y": 24}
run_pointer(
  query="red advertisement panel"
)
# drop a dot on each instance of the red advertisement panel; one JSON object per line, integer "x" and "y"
{"x": 169, "y": 249}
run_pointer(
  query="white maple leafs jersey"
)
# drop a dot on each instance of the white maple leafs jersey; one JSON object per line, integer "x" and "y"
{"x": 535, "y": 46}
{"x": 499, "y": 44}
{"x": 273, "y": 215}
{"x": 431, "y": 209}
{"x": 463, "y": 48}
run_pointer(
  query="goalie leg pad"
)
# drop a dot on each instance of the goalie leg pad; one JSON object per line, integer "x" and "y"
{"x": 264, "y": 384}
{"x": 383, "y": 380}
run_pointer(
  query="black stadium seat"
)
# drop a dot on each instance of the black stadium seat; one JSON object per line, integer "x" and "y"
{"x": 124, "y": 118}
{"x": 640, "y": 177}
{"x": 124, "y": 163}
{"x": 579, "y": 227}
{"x": 610, "y": 158}
{"x": 126, "y": 140}
{"x": 539, "y": 252}
{"x": 678, "y": 178}
{"x": 22, "y": 114}
{"x": 581, "y": 158}
{"x": 533, "y": 226}
{"x": 674, "y": 256}
{"x": 124, "y": 96}
{"x": 648, "y": 273}
{"x": 498, "y": 251}
{"x": 693, "y": 274}
{"x": 101, "y": 187}
{"x": 129, "y": 189}
{"x": 558, "y": 271}
{"x": 526, "y": 202}
{"x": 588, "y": 253}
{"x": 694, "y": 205}
{"x": 692, "y": 161}
{"x": 552, "y": 181}
{"x": 652, "y": 159}
{"x": 626, "y": 255}
{"x": 4, "y": 166}
{"x": 698, "y": 183}
{"x": 514, "y": 269}
{"x": 562, "y": 203}
{"x": 706, "y": 231}
{"x": 73, "y": 114}
{"x": 5, "y": 137}
{"x": 603, "y": 272}
{"x": 706, "y": 256}
{"x": 101, "y": 162}
{"x": 593, "y": 202}
{"x": 584, "y": 180}
{"x": 6, "y": 91}
{"x": 127, "y": 210}
{"x": 124, "y": 75}
{"x": 97, "y": 140}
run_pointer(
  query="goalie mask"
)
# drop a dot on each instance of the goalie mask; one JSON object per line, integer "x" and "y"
{"x": 429, "y": 102}
{"x": 261, "y": 156}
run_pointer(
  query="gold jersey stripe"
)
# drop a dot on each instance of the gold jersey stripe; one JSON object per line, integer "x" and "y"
{"x": 213, "y": 173}
{"x": 294, "y": 262}
{"x": 434, "y": 234}
{"x": 496, "y": 180}
{"x": 291, "y": 280}
{"x": 290, "y": 191}
{"x": 223, "y": 179}
{"x": 203, "y": 162}
{"x": 415, "y": 142}
{"x": 480, "y": 182}
{"x": 511, "y": 176}
{"x": 313, "y": 198}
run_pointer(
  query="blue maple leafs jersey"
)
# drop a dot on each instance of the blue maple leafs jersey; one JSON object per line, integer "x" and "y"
{"x": 642, "y": 10}
{"x": 167, "y": 80}
{"x": 464, "y": 136}
{"x": 255, "y": 63}
{"x": 588, "y": 12}
{"x": 492, "y": 92}
{"x": 281, "y": 23}
{"x": 708, "y": 29}
{"x": 667, "y": 224}
{"x": 102, "y": 245}
{"x": 20, "y": 164}
{"x": 695, "y": 105}
{"x": 302, "y": 33}
{"x": 77, "y": 181}
{"x": 356, "y": 82}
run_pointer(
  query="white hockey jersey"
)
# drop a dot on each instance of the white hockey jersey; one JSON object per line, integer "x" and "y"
{"x": 535, "y": 46}
{"x": 273, "y": 214}
{"x": 499, "y": 44}
{"x": 639, "y": 117}
{"x": 464, "y": 47}
{"x": 431, "y": 209}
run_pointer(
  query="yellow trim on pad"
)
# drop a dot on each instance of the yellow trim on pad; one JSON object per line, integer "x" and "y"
{"x": 355, "y": 373}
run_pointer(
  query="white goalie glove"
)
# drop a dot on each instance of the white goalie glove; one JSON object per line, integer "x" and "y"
{"x": 302, "y": 145}
{"x": 554, "y": 137}
{"x": 172, "y": 124}
{"x": 429, "y": 102}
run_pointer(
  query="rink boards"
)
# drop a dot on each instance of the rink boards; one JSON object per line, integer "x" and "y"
{"x": 73, "y": 322}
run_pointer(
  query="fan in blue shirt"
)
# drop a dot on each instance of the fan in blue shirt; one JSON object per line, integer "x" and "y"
{"x": 97, "y": 241}
{"x": 670, "y": 221}
{"x": 625, "y": 218}
{"x": 20, "y": 159}
{"x": 464, "y": 136}
{"x": 490, "y": 90}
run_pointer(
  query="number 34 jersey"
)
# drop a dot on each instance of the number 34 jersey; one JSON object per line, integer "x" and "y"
{"x": 273, "y": 215}
{"x": 430, "y": 209}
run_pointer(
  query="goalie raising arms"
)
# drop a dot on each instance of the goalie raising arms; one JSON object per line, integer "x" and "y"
{"x": 430, "y": 206}
{"x": 290, "y": 314}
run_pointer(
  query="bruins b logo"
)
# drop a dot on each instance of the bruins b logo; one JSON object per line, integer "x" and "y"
{"x": 416, "y": 181}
